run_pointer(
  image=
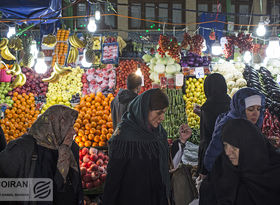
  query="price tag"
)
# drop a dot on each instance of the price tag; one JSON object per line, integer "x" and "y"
{"x": 199, "y": 72}
{"x": 278, "y": 79}
{"x": 142, "y": 76}
{"x": 179, "y": 80}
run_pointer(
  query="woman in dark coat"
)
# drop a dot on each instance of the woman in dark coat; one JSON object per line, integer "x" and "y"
{"x": 50, "y": 140}
{"x": 247, "y": 171}
{"x": 215, "y": 89}
{"x": 138, "y": 154}
{"x": 246, "y": 103}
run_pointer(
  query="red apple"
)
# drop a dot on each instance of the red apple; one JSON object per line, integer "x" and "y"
{"x": 87, "y": 178}
{"x": 93, "y": 167}
{"x": 96, "y": 183}
{"x": 83, "y": 171}
{"x": 86, "y": 158}
{"x": 99, "y": 162}
{"x": 89, "y": 185}
{"x": 102, "y": 177}
{"x": 84, "y": 151}
{"x": 93, "y": 157}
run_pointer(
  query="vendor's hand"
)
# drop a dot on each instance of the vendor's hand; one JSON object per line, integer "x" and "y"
{"x": 197, "y": 109}
{"x": 185, "y": 132}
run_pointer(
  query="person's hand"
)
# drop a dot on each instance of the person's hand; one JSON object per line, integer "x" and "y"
{"x": 197, "y": 109}
{"x": 185, "y": 132}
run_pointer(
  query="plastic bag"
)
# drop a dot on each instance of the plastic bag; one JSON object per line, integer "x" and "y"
{"x": 190, "y": 155}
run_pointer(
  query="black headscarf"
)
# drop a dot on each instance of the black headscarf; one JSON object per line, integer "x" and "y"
{"x": 255, "y": 174}
{"x": 134, "y": 131}
{"x": 215, "y": 89}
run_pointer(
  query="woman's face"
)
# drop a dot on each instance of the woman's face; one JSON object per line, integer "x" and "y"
{"x": 253, "y": 113}
{"x": 232, "y": 153}
{"x": 155, "y": 117}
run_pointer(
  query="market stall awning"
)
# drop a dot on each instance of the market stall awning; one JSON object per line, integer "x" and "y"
{"x": 31, "y": 9}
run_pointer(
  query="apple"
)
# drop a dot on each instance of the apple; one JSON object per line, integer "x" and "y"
{"x": 83, "y": 171}
{"x": 93, "y": 167}
{"x": 99, "y": 162}
{"x": 96, "y": 183}
{"x": 93, "y": 157}
{"x": 100, "y": 155}
{"x": 89, "y": 185}
{"x": 87, "y": 178}
{"x": 102, "y": 177}
{"x": 94, "y": 176}
{"x": 93, "y": 151}
{"x": 84, "y": 151}
{"x": 86, "y": 158}
{"x": 89, "y": 164}
{"x": 84, "y": 164}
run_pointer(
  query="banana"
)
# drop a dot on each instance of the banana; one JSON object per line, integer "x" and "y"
{"x": 52, "y": 79}
{"x": 17, "y": 82}
{"x": 16, "y": 70}
{"x": 23, "y": 79}
{"x": 66, "y": 71}
{"x": 6, "y": 54}
{"x": 76, "y": 42}
{"x": 73, "y": 54}
{"x": 3, "y": 44}
{"x": 57, "y": 69}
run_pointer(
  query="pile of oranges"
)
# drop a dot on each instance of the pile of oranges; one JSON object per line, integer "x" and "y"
{"x": 20, "y": 117}
{"x": 94, "y": 124}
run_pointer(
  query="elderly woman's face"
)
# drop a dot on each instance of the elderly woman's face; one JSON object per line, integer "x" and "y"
{"x": 155, "y": 117}
{"x": 253, "y": 113}
{"x": 232, "y": 152}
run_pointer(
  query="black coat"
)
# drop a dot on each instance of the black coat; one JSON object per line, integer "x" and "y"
{"x": 120, "y": 105}
{"x": 138, "y": 160}
{"x": 218, "y": 101}
{"x": 255, "y": 181}
{"x": 15, "y": 162}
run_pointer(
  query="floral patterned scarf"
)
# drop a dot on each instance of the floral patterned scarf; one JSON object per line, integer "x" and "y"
{"x": 54, "y": 130}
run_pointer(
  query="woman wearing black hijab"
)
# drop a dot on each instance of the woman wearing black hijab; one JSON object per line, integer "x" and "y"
{"x": 138, "y": 154}
{"x": 247, "y": 172}
{"x": 215, "y": 89}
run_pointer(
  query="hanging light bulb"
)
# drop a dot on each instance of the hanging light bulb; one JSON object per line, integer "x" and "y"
{"x": 91, "y": 25}
{"x": 97, "y": 15}
{"x": 216, "y": 48}
{"x": 138, "y": 72}
{"x": 41, "y": 66}
{"x": 261, "y": 28}
{"x": 84, "y": 62}
{"x": 247, "y": 57}
{"x": 204, "y": 48}
{"x": 273, "y": 49}
{"x": 33, "y": 49}
{"x": 11, "y": 32}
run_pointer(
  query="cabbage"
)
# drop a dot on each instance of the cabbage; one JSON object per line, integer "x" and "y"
{"x": 161, "y": 61}
{"x": 158, "y": 55}
{"x": 159, "y": 68}
{"x": 153, "y": 60}
{"x": 178, "y": 67}
{"x": 170, "y": 69}
{"x": 154, "y": 77}
{"x": 147, "y": 58}
{"x": 169, "y": 60}
{"x": 152, "y": 66}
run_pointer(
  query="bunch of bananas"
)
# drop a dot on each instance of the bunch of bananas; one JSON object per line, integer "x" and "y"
{"x": 15, "y": 43}
{"x": 49, "y": 40}
{"x": 76, "y": 42}
{"x": 16, "y": 70}
{"x": 19, "y": 81}
{"x": 122, "y": 43}
{"x": 73, "y": 55}
{"x": 57, "y": 71}
{"x": 5, "y": 52}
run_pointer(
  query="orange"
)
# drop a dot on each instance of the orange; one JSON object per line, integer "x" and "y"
{"x": 79, "y": 121}
{"x": 101, "y": 144}
{"x": 94, "y": 144}
{"x": 110, "y": 95}
{"x": 96, "y": 139}
{"x": 86, "y": 132}
{"x": 103, "y": 138}
{"x": 84, "y": 138}
{"x": 93, "y": 124}
{"x": 88, "y": 104}
{"x": 98, "y": 99}
{"x": 87, "y": 116}
{"x": 15, "y": 94}
{"x": 108, "y": 136}
{"x": 78, "y": 139}
{"x": 97, "y": 132}
{"x": 99, "y": 94}
{"x": 81, "y": 133}
{"x": 77, "y": 125}
{"x": 88, "y": 98}
{"x": 90, "y": 136}
{"x": 88, "y": 143}
{"x": 92, "y": 95}
{"x": 85, "y": 121}
{"x": 81, "y": 144}
{"x": 87, "y": 126}
{"x": 111, "y": 130}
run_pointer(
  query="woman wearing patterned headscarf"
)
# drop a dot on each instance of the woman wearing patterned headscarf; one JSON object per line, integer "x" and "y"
{"x": 50, "y": 140}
